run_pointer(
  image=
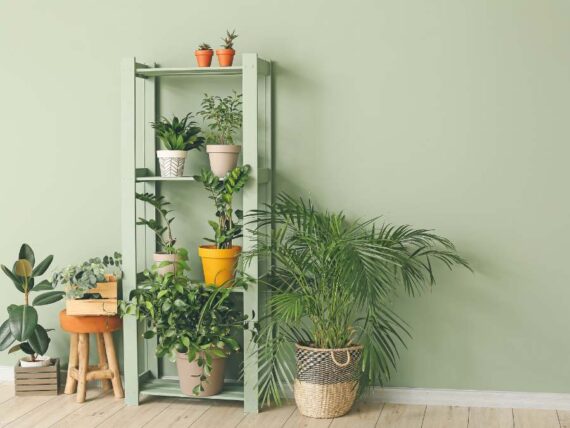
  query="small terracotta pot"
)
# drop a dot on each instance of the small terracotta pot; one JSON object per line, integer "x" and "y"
{"x": 223, "y": 158}
{"x": 163, "y": 257}
{"x": 225, "y": 57}
{"x": 204, "y": 57}
{"x": 219, "y": 265}
{"x": 189, "y": 376}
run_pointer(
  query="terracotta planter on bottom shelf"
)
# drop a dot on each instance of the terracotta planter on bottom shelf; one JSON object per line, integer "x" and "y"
{"x": 37, "y": 380}
{"x": 223, "y": 158}
{"x": 189, "y": 376}
{"x": 204, "y": 57}
{"x": 219, "y": 265}
{"x": 225, "y": 57}
{"x": 163, "y": 257}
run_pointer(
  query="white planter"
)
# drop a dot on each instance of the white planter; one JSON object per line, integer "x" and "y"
{"x": 162, "y": 257}
{"x": 171, "y": 162}
{"x": 43, "y": 361}
{"x": 223, "y": 158}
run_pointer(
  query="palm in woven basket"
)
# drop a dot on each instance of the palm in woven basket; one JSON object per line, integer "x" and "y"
{"x": 331, "y": 287}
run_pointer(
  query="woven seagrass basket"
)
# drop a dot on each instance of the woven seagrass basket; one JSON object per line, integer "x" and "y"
{"x": 327, "y": 380}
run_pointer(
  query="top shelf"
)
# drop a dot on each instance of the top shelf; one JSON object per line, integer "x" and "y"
{"x": 190, "y": 71}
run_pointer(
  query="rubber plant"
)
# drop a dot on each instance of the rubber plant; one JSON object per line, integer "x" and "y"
{"x": 22, "y": 325}
{"x": 331, "y": 291}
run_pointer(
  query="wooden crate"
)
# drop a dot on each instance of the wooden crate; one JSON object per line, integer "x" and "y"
{"x": 37, "y": 380}
{"x": 106, "y": 306}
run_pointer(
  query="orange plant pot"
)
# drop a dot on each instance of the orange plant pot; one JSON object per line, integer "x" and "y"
{"x": 219, "y": 265}
{"x": 225, "y": 57}
{"x": 204, "y": 57}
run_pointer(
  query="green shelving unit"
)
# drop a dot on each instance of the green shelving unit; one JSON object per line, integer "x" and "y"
{"x": 140, "y": 173}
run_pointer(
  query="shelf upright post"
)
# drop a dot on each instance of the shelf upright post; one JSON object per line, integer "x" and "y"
{"x": 128, "y": 224}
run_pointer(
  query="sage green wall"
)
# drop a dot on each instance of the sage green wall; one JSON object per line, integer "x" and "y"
{"x": 445, "y": 114}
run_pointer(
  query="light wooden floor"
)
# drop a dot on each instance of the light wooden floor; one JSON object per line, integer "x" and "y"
{"x": 106, "y": 411}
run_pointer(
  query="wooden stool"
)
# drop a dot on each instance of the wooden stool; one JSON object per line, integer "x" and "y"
{"x": 79, "y": 371}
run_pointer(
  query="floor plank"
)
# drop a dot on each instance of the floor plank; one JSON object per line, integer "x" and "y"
{"x": 226, "y": 415}
{"x": 363, "y": 414}
{"x": 181, "y": 413}
{"x": 401, "y": 416}
{"x": 528, "y": 418}
{"x": 445, "y": 417}
{"x": 484, "y": 417}
{"x": 6, "y": 391}
{"x": 564, "y": 418}
{"x": 297, "y": 421}
{"x": 137, "y": 416}
{"x": 16, "y": 407}
{"x": 268, "y": 418}
{"x": 92, "y": 413}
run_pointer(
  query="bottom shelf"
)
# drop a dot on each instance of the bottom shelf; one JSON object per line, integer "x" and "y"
{"x": 171, "y": 388}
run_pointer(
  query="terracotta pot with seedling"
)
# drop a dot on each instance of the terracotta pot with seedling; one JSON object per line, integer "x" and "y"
{"x": 219, "y": 260}
{"x": 178, "y": 137}
{"x": 204, "y": 55}
{"x": 168, "y": 259}
{"x": 227, "y": 53}
{"x": 224, "y": 118}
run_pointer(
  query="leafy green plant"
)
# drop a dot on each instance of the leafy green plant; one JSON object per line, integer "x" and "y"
{"x": 332, "y": 286}
{"x": 22, "y": 324}
{"x": 79, "y": 279}
{"x": 204, "y": 47}
{"x": 224, "y": 116}
{"x": 222, "y": 191}
{"x": 161, "y": 228}
{"x": 179, "y": 134}
{"x": 229, "y": 39}
{"x": 188, "y": 318}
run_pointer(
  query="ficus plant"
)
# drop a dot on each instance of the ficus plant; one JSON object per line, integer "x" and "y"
{"x": 227, "y": 225}
{"x": 162, "y": 227}
{"x": 179, "y": 134}
{"x": 193, "y": 319}
{"x": 224, "y": 117}
{"x": 22, "y": 325}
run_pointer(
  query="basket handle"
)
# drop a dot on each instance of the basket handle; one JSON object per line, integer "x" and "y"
{"x": 343, "y": 364}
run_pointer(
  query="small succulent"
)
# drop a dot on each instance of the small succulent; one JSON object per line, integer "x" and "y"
{"x": 229, "y": 39}
{"x": 204, "y": 47}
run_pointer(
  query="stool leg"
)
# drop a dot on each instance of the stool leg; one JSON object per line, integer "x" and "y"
{"x": 105, "y": 383}
{"x": 71, "y": 383}
{"x": 113, "y": 365}
{"x": 83, "y": 366}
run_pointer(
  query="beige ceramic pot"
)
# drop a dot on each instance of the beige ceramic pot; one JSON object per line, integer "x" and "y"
{"x": 223, "y": 158}
{"x": 189, "y": 375}
{"x": 163, "y": 257}
{"x": 171, "y": 162}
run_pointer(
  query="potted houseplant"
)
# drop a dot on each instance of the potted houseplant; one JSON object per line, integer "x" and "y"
{"x": 204, "y": 55}
{"x": 330, "y": 299}
{"x": 219, "y": 260}
{"x": 194, "y": 325}
{"x": 169, "y": 257}
{"x": 224, "y": 117}
{"x": 91, "y": 287}
{"x": 178, "y": 137}
{"x": 22, "y": 325}
{"x": 227, "y": 53}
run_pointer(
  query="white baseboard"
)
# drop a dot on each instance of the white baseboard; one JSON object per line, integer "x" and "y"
{"x": 6, "y": 373}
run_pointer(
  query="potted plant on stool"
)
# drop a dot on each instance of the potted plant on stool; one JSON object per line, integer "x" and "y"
{"x": 22, "y": 326}
{"x": 194, "y": 325}
{"x": 204, "y": 55}
{"x": 219, "y": 260}
{"x": 225, "y": 118}
{"x": 178, "y": 137}
{"x": 227, "y": 53}
{"x": 331, "y": 290}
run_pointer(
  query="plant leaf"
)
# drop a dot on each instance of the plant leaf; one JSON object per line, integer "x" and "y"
{"x": 27, "y": 253}
{"x": 48, "y": 298}
{"x": 23, "y": 320}
{"x": 6, "y": 338}
{"x": 43, "y": 266}
{"x": 39, "y": 340}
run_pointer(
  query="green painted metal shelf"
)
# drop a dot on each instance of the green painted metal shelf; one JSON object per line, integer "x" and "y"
{"x": 171, "y": 388}
{"x": 189, "y": 71}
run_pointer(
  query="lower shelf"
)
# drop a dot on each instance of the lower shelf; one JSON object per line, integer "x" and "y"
{"x": 171, "y": 388}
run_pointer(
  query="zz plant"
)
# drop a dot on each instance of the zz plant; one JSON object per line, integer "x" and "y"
{"x": 226, "y": 227}
{"x": 162, "y": 228}
{"x": 224, "y": 117}
{"x": 179, "y": 134}
{"x": 22, "y": 325}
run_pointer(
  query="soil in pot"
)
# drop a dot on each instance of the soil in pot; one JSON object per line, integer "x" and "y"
{"x": 189, "y": 375}
{"x": 223, "y": 158}
{"x": 171, "y": 162}
{"x": 219, "y": 265}
{"x": 225, "y": 57}
{"x": 204, "y": 57}
{"x": 164, "y": 257}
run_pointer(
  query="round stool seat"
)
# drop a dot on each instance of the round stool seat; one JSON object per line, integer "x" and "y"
{"x": 89, "y": 324}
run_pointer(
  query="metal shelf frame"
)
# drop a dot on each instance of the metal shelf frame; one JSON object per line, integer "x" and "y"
{"x": 139, "y": 168}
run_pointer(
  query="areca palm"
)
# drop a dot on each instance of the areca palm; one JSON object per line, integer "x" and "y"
{"x": 331, "y": 285}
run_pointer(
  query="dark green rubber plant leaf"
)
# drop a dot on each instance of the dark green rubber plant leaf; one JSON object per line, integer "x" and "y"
{"x": 6, "y": 338}
{"x": 23, "y": 320}
{"x": 44, "y": 285}
{"x": 43, "y": 266}
{"x": 27, "y": 253}
{"x": 17, "y": 281}
{"x": 39, "y": 340}
{"x": 48, "y": 298}
{"x": 24, "y": 347}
